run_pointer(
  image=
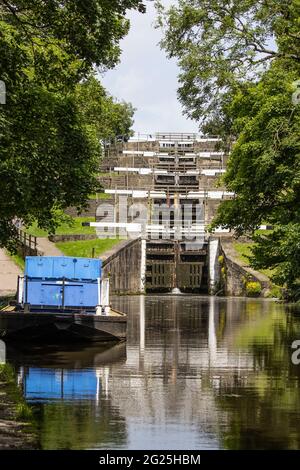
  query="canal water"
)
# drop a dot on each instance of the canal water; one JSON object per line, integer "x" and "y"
{"x": 195, "y": 373}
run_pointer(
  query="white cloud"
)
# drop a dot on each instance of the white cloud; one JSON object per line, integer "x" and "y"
{"x": 147, "y": 79}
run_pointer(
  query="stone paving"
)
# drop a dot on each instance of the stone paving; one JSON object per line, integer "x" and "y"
{"x": 9, "y": 273}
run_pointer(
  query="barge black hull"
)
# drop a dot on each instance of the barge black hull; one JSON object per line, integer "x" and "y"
{"x": 55, "y": 327}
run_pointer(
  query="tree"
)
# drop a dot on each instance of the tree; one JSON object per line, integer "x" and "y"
{"x": 240, "y": 61}
{"x": 263, "y": 169}
{"x": 264, "y": 173}
{"x": 280, "y": 250}
{"x": 49, "y": 142}
{"x": 219, "y": 44}
{"x": 89, "y": 30}
{"x": 94, "y": 101}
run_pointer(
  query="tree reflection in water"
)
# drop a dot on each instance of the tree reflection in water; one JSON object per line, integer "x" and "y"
{"x": 263, "y": 405}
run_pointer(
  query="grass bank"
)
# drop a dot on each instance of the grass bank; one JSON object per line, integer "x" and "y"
{"x": 100, "y": 196}
{"x": 243, "y": 251}
{"x": 18, "y": 260}
{"x": 87, "y": 248}
{"x": 68, "y": 227}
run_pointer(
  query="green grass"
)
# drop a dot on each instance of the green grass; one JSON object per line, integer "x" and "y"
{"x": 36, "y": 231}
{"x": 244, "y": 250}
{"x": 263, "y": 232}
{"x": 100, "y": 196}
{"x": 18, "y": 260}
{"x": 66, "y": 228}
{"x": 84, "y": 248}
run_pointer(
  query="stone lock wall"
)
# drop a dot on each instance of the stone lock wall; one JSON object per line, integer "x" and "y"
{"x": 123, "y": 265}
{"x": 237, "y": 271}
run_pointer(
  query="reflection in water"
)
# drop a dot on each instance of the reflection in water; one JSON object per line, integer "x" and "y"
{"x": 69, "y": 393}
{"x": 196, "y": 372}
{"x": 48, "y": 384}
{"x": 2, "y": 352}
{"x": 66, "y": 378}
{"x": 212, "y": 340}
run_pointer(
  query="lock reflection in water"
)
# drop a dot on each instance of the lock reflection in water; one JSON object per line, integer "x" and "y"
{"x": 2, "y": 352}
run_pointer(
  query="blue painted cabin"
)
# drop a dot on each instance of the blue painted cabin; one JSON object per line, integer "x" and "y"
{"x": 61, "y": 281}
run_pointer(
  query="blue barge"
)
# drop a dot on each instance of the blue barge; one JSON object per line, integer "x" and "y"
{"x": 62, "y": 298}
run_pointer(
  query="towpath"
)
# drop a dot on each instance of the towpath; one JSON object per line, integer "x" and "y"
{"x": 48, "y": 248}
{"x": 9, "y": 273}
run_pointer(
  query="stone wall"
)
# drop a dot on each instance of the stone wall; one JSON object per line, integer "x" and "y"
{"x": 72, "y": 238}
{"x": 90, "y": 211}
{"x": 237, "y": 271}
{"x": 123, "y": 265}
{"x": 205, "y": 145}
{"x": 123, "y": 180}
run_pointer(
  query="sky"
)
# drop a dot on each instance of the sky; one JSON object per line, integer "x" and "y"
{"x": 147, "y": 79}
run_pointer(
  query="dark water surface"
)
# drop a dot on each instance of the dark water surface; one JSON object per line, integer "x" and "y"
{"x": 195, "y": 373}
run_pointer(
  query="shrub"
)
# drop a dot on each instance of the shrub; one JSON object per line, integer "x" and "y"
{"x": 275, "y": 292}
{"x": 253, "y": 289}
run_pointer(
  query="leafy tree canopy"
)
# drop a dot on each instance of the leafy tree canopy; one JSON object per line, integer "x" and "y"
{"x": 89, "y": 29}
{"x": 264, "y": 167}
{"x": 56, "y": 112}
{"x": 116, "y": 117}
{"x": 221, "y": 43}
{"x": 264, "y": 173}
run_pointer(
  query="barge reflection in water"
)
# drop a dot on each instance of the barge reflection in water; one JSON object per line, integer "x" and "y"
{"x": 198, "y": 373}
